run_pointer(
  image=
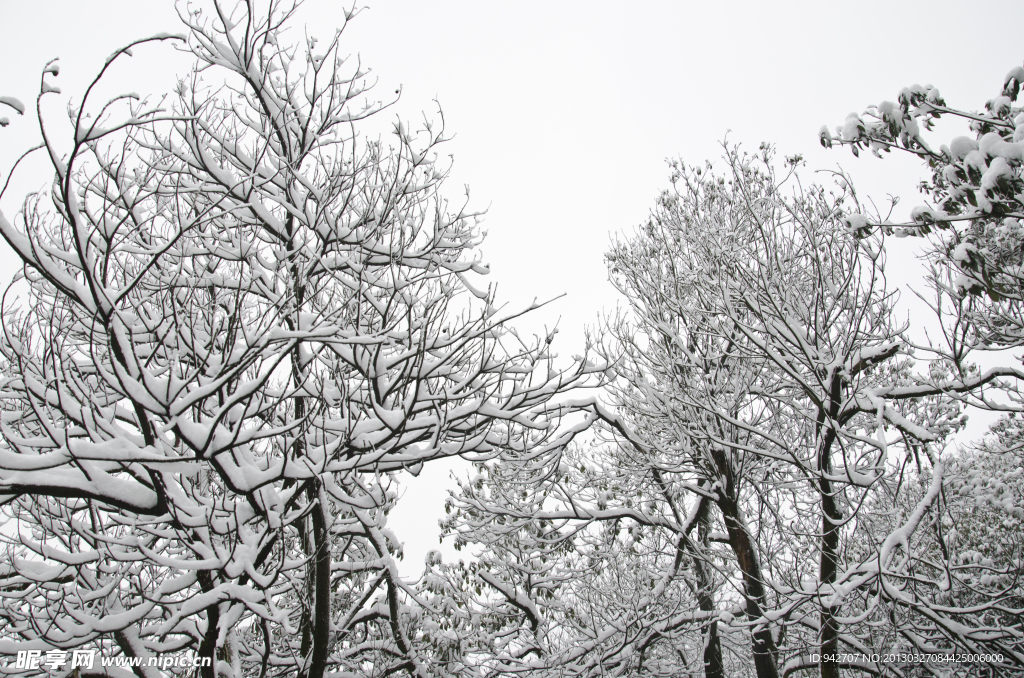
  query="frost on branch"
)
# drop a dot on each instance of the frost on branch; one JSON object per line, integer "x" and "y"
{"x": 239, "y": 319}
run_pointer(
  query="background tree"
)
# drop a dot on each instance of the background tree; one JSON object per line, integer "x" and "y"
{"x": 779, "y": 338}
{"x": 766, "y": 402}
{"x": 238, "y": 319}
{"x": 965, "y": 563}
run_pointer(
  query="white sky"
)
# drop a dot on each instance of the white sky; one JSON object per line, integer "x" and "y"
{"x": 564, "y": 112}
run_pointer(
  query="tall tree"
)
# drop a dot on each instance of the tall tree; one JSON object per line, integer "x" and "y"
{"x": 773, "y": 335}
{"x": 765, "y": 396}
{"x": 237, "y": 319}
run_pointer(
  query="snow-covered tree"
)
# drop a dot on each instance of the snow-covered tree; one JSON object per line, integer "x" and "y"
{"x": 965, "y": 568}
{"x": 581, "y": 575}
{"x": 237, "y": 320}
{"x": 976, "y": 203}
{"x": 767, "y": 341}
{"x": 974, "y": 239}
{"x": 763, "y": 337}
{"x": 765, "y": 395}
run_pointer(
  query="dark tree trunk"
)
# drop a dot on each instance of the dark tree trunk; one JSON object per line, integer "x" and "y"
{"x": 713, "y": 666}
{"x": 763, "y": 644}
{"x": 831, "y": 518}
{"x": 321, "y": 594}
{"x": 208, "y": 648}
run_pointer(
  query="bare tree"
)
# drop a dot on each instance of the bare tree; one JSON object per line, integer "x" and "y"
{"x": 790, "y": 374}
{"x": 767, "y": 410}
{"x": 236, "y": 321}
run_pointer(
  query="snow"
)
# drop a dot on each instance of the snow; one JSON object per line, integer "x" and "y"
{"x": 999, "y": 106}
{"x": 38, "y": 571}
{"x": 825, "y": 136}
{"x": 962, "y": 253}
{"x": 959, "y": 147}
{"x": 856, "y": 222}
{"x": 852, "y": 128}
{"x": 13, "y": 103}
{"x": 993, "y": 145}
{"x": 1015, "y": 73}
{"x": 998, "y": 170}
{"x": 922, "y": 214}
{"x": 977, "y": 160}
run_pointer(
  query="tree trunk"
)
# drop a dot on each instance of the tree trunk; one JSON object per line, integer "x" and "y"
{"x": 712, "y": 657}
{"x": 831, "y": 518}
{"x": 322, "y": 593}
{"x": 829, "y": 564}
{"x": 713, "y": 666}
{"x": 764, "y": 649}
{"x": 753, "y": 589}
{"x": 208, "y": 648}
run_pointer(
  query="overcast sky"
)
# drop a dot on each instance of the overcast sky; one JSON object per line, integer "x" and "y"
{"x": 564, "y": 112}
